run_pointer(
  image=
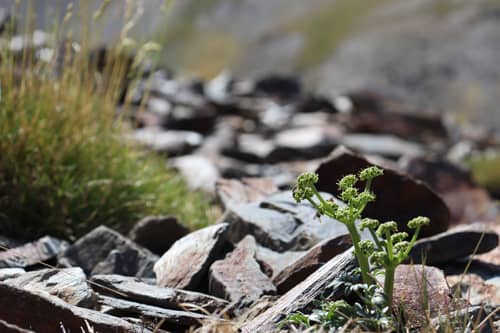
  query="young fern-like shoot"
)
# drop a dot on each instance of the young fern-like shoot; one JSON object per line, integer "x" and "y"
{"x": 388, "y": 248}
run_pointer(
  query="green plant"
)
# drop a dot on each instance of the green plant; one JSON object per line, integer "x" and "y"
{"x": 65, "y": 166}
{"x": 388, "y": 247}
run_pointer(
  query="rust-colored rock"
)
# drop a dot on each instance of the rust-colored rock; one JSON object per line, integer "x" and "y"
{"x": 238, "y": 277}
{"x": 399, "y": 197}
{"x": 44, "y": 313}
{"x": 419, "y": 290}
{"x": 185, "y": 265}
{"x": 307, "y": 264}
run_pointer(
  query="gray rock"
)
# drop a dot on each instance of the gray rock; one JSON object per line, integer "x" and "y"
{"x": 105, "y": 250}
{"x": 186, "y": 263}
{"x": 134, "y": 289}
{"x": 121, "y": 308}
{"x": 44, "y": 249}
{"x": 280, "y": 224}
{"x": 69, "y": 284}
{"x": 307, "y": 264}
{"x": 238, "y": 277}
{"x": 276, "y": 261}
{"x": 8, "y": 273}
{"x": 234, "y": 192}
{"x": 301, "y": 144}
{"x": 42, "y": 312}
{"x": 199, "y": 172}
{"x": 158, "y": 233}
{"x": 384, "y": 145}
{"x": 456, "y": 243}
{"x": 171, "y": 142}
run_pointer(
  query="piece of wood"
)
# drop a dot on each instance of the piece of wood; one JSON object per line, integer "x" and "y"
{"x": 301, "y": 295}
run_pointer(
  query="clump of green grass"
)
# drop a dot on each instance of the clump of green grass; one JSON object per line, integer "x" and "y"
{"x": 64, "y": 166}
{"x": 486, "y": 170}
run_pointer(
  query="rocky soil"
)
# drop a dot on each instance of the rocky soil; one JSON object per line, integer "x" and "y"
{"x": 243, "y": 142}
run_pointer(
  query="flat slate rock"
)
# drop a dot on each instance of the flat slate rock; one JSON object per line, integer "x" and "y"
{"x": 158, "y": 233}
{"x": 412, "y": 284}
{"x": 307, "y": 264}
{"x": 69, "y": 284}
{"x": 30, "y": 254}
{"x": 9, "y": 273}
{"x": 399, "y": 197}
{"x": 274, "y": 261}
{"x": 238, "y": 277}
{"x": 122, "y": 308}
{"x": 234, "y": 192}
{"x": 185, "y": 265}
{"x": 459, "y": 242}
{"x": 105, "y": 251}
{"x": 133, "y": 289}
{"x": 301, "y": 296}
{"x": 44, "y": 313}
{"x": 281, "y": 224}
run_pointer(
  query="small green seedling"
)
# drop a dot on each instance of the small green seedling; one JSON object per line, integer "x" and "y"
{"x": 388, "y": 249}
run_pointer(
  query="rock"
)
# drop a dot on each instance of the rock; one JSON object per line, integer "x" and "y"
{"x": 41, "y": 312}
{"x": 69, "y": 284}
{"x": 278, "y": 86}
{"x": 199, "y": 172}
{"x": 414, "y": 283}
{"x": 9, "y": 273}
{"x": 46, "y": 248}
{"x": 475, "y": 289}
{"x": 185, "y": 265}
{"x": 385, "y": 145}
{"x": 315, "y": 103}
{"x": 467, "y": 201}
{"x": 275, "y": 262}
{"x": 233, "y": 192}
{"x": 106, "y": 251}
{"x": 133, "y": 289}
{"x": 238, "y": 277}
{"x": 464, "y": 319}
{"x": 8, "y": 328}
{"x": 301, "y": 295}
{"x": 171, "y": 142}
{"x": 157, "y": 233}
{"x": 199, "y": 119}
{"x": 280, "y": 224}
{"x": 250, "y": 148}
{"x": 307, "y": 264}
{"x": 456, "y": 243}
{"x": 399, "y": 197}
{"x": 121, "y": 308}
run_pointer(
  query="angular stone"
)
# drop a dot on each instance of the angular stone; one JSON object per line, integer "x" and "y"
{"x": 468, "y": 202}
{"x": 69, "y": 284}
{"x": 415, "y": 283}
{"x": 307, "y": 264}
{"x": 41, "y": 312}
{"x": 238, "y": 277}
{"x": 199, "y": 172}
{"x": 9, "y": 273}
{"x": 29, "y": 254}
{"x": 233, "y": 192}
{"x": 274, "y": 261}
{"x": 106, "y": 251}
{"x": 171, "y": 142}
{"x": 8, "y": 328}
{"x": 186, "y": 263}
{"x": 121, "y": 308}
{"x": 134, "y": 289}
{"x": 475, "y": 290}
{"x": 456, "y": 243}
{"x": 302, "y": 295}
{"x": 158, "y": 233}
{"x": 280, "y": 224}
{"x": 399, "y": 197}
{"x": 384, "y": 145}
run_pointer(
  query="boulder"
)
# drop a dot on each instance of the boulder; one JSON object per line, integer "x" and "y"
{"x": 42, "y": 312}
{"x": 185, "y": 265}
{"x": 399, "y": 197}
{"x": 105, "y": 251}
{"x": 133, "y": 289}
{"x": 308, "y": 263}
{"x": 238, "y": 277}
{"x": 69, "y": 284}
{"x": 46, "y": 248}
{"x": 158, "y": 233}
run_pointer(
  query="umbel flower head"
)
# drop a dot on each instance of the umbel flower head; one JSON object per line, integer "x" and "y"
{"x": 370, "y": 173}
{"x": 387, "y": 227}
{"x": 304, "y": 188}
{"x": 417, "y": 222}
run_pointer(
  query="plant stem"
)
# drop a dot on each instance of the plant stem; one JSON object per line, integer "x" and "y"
{"x": 362, "y": 259}
{"x": 389, "y": 283}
